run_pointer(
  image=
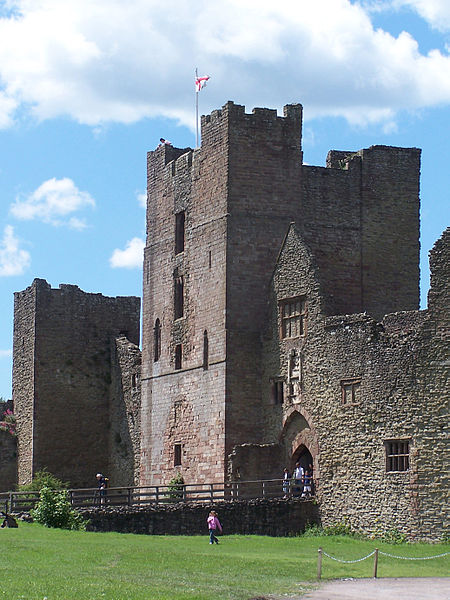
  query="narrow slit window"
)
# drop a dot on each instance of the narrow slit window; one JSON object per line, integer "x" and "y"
{"x": 277, "y": 391}
{"x": 177, "y": 455}
{"x": 179, "y": 232}
{"x": 178, "y": 356}
{"x": 205, "y": 351}
{"x": 178, "y": 297}
{"x": 157, "y": 341}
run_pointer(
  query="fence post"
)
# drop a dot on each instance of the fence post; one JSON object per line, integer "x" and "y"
{"x": 375, "y": 563}
{"x": 319, "y": 564}
{"x": 71, "y": 497}
{"x": 129, "y": 497}
{"x": 211, "y": 492}
{"x": 157, "y": 494}
{"x": 263, "y": 489}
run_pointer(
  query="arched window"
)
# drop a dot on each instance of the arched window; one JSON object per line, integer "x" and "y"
{"x": 157, "y": 341}
{"x": 205, "y": 350}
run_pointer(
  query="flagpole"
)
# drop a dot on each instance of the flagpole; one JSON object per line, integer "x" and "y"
{"x": 196, "y": 109}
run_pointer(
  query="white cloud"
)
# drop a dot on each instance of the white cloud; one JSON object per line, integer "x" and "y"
{"x": 13, "y": 260}
{"x": 131, "y": 257}
{"x": 113, "y": 61}
{"x": 435, "y": 12}
{"x": 53, "y": 202}
{"x": 5, "y": 353}
{"x": 142, "y": 199}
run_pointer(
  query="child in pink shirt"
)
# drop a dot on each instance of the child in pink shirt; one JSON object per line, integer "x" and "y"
{"x": 213, "y": 526}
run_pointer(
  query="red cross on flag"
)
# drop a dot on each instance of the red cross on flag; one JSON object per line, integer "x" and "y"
{"x": 200, "y": 82}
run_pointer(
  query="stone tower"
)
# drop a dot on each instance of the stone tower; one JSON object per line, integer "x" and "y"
{"x": 216, "y": 220}
{"x": 69, "y": 362}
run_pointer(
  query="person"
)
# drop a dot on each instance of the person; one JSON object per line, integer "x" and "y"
{"x": 298, "y": 476}
{"x": 307, "y": 477}
{"x": 213, "y": 526}
{"x": 286, "y": 482}
{"x": 102, "y": 484}
{"x": 163, "y": 142}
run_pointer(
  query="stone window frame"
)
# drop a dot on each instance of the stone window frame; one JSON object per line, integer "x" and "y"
{"x": 177, "y": 454}
{"x": 397, "y": 452}
{"x": 180, "y": 223}
{"x": 295, "y": 316}
{"x": 354, "y": 383}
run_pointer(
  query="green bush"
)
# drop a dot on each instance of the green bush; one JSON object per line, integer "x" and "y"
{"x": 43, "y": 479}
{"x": 175, "y": 488}
{"x": 339, "y": 528}
{"x": 55, "y": 510}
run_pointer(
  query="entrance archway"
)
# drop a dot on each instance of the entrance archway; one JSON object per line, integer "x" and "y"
{"x": 304, "y": 457}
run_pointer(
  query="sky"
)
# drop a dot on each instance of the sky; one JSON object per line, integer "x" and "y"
{"x": 87, "y": 87}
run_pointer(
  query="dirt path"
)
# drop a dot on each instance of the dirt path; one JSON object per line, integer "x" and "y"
{"x": 405, "y": 588}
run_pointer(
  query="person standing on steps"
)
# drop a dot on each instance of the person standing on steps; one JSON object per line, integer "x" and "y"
{"x": 213, "y": 526}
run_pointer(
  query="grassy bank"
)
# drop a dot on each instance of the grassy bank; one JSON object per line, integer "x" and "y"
{"x": 38, "y": 563}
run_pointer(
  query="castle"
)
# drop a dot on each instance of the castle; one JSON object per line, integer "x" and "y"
{"x": 280, "y": 324}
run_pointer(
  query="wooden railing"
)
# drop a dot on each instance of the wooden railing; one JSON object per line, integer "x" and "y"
{"x": 159, "y": 494}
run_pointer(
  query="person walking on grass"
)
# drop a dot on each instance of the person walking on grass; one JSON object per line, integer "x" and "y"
{"x": 213, "y": 526}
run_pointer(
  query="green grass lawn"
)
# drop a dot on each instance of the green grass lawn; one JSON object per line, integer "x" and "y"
{"x": 38, "y": 563}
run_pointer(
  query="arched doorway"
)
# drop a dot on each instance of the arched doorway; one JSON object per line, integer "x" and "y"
{"x": 304, "y": 457}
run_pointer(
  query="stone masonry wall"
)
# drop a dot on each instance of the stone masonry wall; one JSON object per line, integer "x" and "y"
{"x": 8, "y": 462}
{"x": 125, "y": 413}
{"x": 185, "y": 406}
{"x": 66, "y": 405}
{"x": 253, "y": 517}
{"x": 402, "y": 395}
{"x": 239, "y": 191}
{"x": 24, "y": 375}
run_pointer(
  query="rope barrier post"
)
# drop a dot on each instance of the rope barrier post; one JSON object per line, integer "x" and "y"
{"x": 319, "y": 564}
{"x": 375, "y": 563}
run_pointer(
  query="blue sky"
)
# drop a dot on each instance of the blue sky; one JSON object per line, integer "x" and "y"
{"x": 87, "y": 87}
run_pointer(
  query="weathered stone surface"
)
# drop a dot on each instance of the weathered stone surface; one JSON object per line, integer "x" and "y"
{"x": 218, "y": 394}
{"x": 260, "y": 517}
{"x": 63, "y": 389}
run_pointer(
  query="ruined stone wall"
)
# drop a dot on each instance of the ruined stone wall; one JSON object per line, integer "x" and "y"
{"x": 125, "y": 413}
{"x": 23, "y": 377}
{"x": 402, "y": 395}
{"x": 8, "y": 453}
{"x": 8, "y": 461}
{"x": 66, "y": 406}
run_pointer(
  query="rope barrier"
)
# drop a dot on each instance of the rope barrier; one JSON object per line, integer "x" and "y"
{"x": 413, "y": 557}
{"x": 348, "y": 561}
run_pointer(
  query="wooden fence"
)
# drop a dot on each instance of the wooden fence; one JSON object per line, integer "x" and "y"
{"x": 159, "y": 494}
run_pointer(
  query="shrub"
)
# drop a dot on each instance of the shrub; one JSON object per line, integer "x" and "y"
{"x": 313, "y": 530}
{"x": 55, "y": 510}
{"x": 175, "y": 488}
{"x": 43, "y": 479}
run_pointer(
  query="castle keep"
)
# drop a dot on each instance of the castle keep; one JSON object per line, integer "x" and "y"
{"x": 280, "y": 323}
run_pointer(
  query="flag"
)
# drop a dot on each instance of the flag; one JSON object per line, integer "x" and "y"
{"x": 200, "y": 82}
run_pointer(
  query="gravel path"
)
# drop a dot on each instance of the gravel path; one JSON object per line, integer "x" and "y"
{"x": 405, "y": 588}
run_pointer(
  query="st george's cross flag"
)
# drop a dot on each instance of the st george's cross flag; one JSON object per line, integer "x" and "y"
{"x": 200, "y": 82}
